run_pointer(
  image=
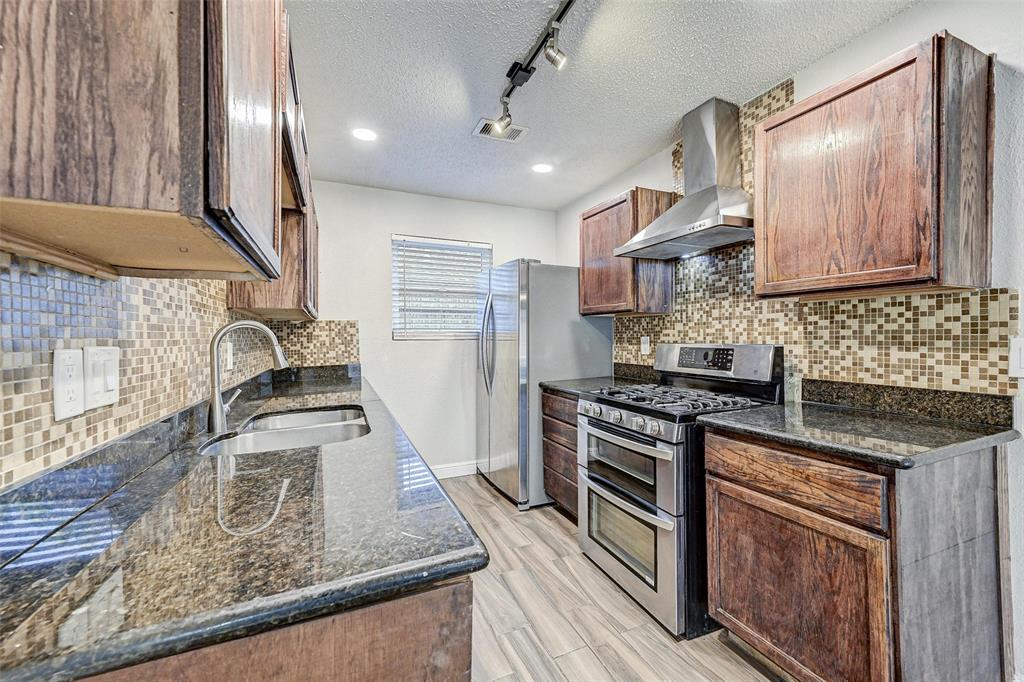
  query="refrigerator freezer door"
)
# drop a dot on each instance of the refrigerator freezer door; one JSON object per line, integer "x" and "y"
{"x": 505, "y": 467}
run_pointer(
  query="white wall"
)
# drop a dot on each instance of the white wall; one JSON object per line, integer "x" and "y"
{"x": 428, "y": 385}
{"x": 654, "y": 172}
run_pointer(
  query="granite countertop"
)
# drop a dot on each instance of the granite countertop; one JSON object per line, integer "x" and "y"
{"x": 894, "y": 440}
{"x": 579, "y": 386}
{"x": 196, "y": 549}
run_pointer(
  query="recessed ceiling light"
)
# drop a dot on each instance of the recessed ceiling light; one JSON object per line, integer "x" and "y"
{"x": 543, "y": 168}
{"x": 364, "y": 134}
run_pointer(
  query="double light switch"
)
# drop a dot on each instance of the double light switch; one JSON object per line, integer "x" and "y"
{"x": 85, "y": 379}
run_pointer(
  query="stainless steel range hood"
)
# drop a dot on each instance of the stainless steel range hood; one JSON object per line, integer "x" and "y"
{"x": 714, "y": 210}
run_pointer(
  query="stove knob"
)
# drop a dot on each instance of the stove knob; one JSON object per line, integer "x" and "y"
{"x": 595, "y": 410}
{"x": 615, "y": 416}
{"x": 586, "y": 409}
{"x": 637, "y": 423}
{"x": 654, "y": 428}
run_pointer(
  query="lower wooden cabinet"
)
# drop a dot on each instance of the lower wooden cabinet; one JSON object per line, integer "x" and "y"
{"x": 422, "y": 636}
{"x": 837, "y": 569}
{"x": 559, "y": 429}
{"x": 810, "y": 590}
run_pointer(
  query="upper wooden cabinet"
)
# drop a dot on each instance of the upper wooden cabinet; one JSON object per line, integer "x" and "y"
{"x": 139, "y": 137}
{"x": 881, "y": 180}
{"x": 294, "y": 295}
{"x": 610, "y": 284}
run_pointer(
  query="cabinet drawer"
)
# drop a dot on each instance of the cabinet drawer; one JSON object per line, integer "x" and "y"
{"x": 561, "y": 490}
{"x": 839, "y": 491}
{"x": 560, "y": 432}
{"x": 561, "y": 460}
{"x": 558, "y": 407}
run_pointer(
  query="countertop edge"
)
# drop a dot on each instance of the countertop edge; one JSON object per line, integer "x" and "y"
{"x": 251, "y": 618}
{"x": 719, "y": 423}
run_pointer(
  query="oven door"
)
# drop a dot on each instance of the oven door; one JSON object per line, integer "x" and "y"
{"x": 637, "y": 465}
{"x": 640, "y": 549}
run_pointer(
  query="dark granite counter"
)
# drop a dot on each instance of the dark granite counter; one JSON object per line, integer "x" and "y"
{"x": 894, "y": 440}
{"x": 196, "y": 550}
{"x": 578, "y": 386}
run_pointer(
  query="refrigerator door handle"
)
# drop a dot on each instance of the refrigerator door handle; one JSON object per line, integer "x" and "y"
{"x": 493, "y": 340}
{"x": 482, "y": 345}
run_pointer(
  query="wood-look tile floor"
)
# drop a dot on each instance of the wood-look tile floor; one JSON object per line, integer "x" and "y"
{"x": 543, "y": 611}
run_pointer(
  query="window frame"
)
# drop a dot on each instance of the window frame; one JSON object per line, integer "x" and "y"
{"x": 403, "y": 333}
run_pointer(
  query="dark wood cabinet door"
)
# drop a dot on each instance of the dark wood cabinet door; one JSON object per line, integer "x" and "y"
{"x": 845, "y": 183}
{"x": 811, "y": 593}
{"x": 607, "y": 283}
{"x": 655, "y": 279}
{"x": 244, "y": 144}
{"x": 312, "y": 261}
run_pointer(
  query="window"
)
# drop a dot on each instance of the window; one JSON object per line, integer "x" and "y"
{"x": 438, "y": 287}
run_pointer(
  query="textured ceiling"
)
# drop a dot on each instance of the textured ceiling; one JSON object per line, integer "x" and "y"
{"x": 422, "y": 73}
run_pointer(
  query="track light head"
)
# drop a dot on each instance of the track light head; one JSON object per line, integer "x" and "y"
{"x": 551, "y": 51}
{"x": 502, "y": 123}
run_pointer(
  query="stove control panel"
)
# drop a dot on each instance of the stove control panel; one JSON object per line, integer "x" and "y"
{"x": 695, "y": 357}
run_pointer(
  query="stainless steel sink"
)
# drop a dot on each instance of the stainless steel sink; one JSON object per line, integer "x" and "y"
{"x": 291, "y": 420}
{"x": 291, "y": 430}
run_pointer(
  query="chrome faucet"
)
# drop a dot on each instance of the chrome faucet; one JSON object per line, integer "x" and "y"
{"x": 218, "y": 408}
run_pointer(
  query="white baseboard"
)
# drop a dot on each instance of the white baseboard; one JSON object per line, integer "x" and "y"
{"x": 455, "y": 469}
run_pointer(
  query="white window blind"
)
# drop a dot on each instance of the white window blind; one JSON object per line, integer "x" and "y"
{"x": 437, "y": 287}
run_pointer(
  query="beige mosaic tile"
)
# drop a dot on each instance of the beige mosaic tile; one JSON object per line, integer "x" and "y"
{"x": 326, "y": 342}
{"x": 955, "y": 341}
{"x": 163, "y": 328}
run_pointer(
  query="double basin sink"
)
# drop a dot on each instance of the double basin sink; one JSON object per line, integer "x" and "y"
{"x": 289, "y": 430}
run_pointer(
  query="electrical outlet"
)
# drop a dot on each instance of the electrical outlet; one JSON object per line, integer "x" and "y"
{"x": 1017, "y": 356}
{"x": 645, "y": 345}
{"x": 68, "y": 384}
{"x": 102, "y": 369}
{"x": 229, "y": 355}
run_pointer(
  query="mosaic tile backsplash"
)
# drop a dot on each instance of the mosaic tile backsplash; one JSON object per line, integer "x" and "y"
{"x": 163, "y": 328}
{"x": 952, "y": 341}
{"x": 955, "y": 341}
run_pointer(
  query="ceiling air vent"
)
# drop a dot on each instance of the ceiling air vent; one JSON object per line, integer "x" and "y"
{"x": 514, "y": 133}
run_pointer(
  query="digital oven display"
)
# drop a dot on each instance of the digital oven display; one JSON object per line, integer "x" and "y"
{"x": 706, "y": 358}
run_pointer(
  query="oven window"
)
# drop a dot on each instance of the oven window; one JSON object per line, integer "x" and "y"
{"x": 632, "y": 472}
{"x": 633, "y": 542}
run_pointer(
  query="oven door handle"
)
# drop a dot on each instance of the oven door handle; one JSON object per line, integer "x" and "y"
{"x": 649, "y": 450}
{"x": 660, "y": 520}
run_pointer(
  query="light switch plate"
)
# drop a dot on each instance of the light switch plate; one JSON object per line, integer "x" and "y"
{"x": 102, "y": 369}
{"x": 1017, "y": 356}
{"x": 68, "y": 384}
{"x": 645, "y": 345}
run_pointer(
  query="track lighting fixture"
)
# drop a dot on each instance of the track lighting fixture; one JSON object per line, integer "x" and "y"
{"x": 520, "y": 72}
{"x": 502, "y": 123}
{"x": 551, "y": 51}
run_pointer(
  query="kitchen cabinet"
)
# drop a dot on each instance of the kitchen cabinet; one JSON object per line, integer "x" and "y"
{"x": 558, "y": 412}
{"x": 293, "y": 295}
{"x": 880, "y": 181}
{"x": 422, "y": 636}
{"x": 154, "y": 155}
{"x": 836, "y": 569}
{"x": 610, "y": 284}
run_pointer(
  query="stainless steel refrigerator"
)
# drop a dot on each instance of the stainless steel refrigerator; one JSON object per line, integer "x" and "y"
{"x": 530, "y": 331}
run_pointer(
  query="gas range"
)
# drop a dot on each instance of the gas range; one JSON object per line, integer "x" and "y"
{"x": 657, "y": 410}
{"x": 694, "y": 380}
{"x": 640, "y": 472}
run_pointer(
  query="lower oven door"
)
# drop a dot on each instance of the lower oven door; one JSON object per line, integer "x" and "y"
{"x": 639, "y": 548}
{"x": 638, "y": 465}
